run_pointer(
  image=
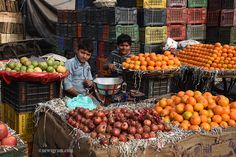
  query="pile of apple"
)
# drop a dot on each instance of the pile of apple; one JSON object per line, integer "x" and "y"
{"x": 118, "y": 124}
{"x": 6, "y": 139}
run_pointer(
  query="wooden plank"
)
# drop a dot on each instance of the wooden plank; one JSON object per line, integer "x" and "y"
{"x": 10, "y": 17}
{"x": 5, "y": 38}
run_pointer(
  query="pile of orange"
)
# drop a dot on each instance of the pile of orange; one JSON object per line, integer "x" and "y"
{"x": 209, "y": 57}
{"x": 192, "y": 110}
{"x": 151, "y": 61}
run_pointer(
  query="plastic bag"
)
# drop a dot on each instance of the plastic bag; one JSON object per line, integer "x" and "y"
{"x": 183, "y": 44}
{"x": 170, "y": 44}
{"x": 81, "y": 101}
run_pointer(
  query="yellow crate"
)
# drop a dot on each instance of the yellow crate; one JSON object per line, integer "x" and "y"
{"x": 2, "y": 112}
{"x": 21, "y": 122}
{"x": 153, "y": 35}
{"x": 151, "y": 3}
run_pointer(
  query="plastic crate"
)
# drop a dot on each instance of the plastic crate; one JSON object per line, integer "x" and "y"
{"x": 102, "y": 16}
{"x": 21, "y": 122}
{"x": 153, "y": 35}
{"x": 129, "y": 3}
{"x": 228, "y": 4}
{"x": 177, "y": 3}
{"x": 66, "y": 16}
{"x": 135, "y": 48}
{"x": 60, "y": 45}
{"x": 151, "y": 17}
{"x": 26, "y": 94}
{"x": 228, "y": 17}
{"x": 72, "y": 30}
{"x": 81, "y": 15}
{"x": 176, "y": 15}
{"x": 151, "y": 3}
{"x": 213, "y": 18}
{"x": 196, "y": 32}
{"x": 91, "y": 32}
{"x": 214, "y": 5}
{"x": 212, "y": 34}
{"x": 131, "y": 30}
{"x": 151, "y": 48}
{"x": 176, "y": 32}
{"x": 80, "y": 30}
{"x": 150, "y": 86}
{"x": 106, "y": 33}
{"x": 197, "y": 16}
{"x": 80, "y": 4}
{"x": 227, "y": 35}
{"x": 105, "y": 48}
{"x": 62, "y": 30}
{"x": 68, "y": 44}
{"x": 125, "y": 15}
{"x": 197, "y": 3}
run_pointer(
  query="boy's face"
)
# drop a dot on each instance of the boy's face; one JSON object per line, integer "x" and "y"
{"x": 124, "y": 48}
{"x": 83, "y": 55}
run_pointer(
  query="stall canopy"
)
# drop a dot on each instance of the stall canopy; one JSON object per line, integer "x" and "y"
{"x": 43, "y": 16}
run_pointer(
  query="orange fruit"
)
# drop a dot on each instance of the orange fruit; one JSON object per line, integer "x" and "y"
{"x": 158, "y": 109}
{"x": 233, "y": 105}
{"x": 222, "y": 101}
{"x": 170, "y": 102}
{"x": 188, "y": 107}
{"x": 218, "y": 110}
{"x": 178, "y": 118}
{"x": 180, "y": 108}
{"x": 184, "y": 126}
{"x": 187, "y": 115}
{"x": 232, "y": 115}
{"x": 190, "y": 93}
{"x": 217, "y": 118}
{"x": 165, "y": 112}
{"x": 205, "y": 126}
{"x": 203, "y": 118}
{"x": 167, "y": 53}
{"x": 202, "y": 100}
{"x": 163, "y": 102}
{"x": 177, "y": 100}
{"x": 214, "y": 125}
{"x": 191, "y": 100}
{"x": 224, "y": 124}
{"x": 195, "y": 120}
{"x": 184, "y": 99}
{"x": 176, "y": 123}
{"x": 181, "y": 93}
{"x": 211, "y": 105}
{"x": 197, "y": 93}
{"x": 225, "y": 117}
{"x": 150, "y": 68}
{"x": 193, "y": 127}
{"x": 203, "y": 112}
{"x": 210, "y": 113}
{"x": 232, "y": 122}
{"x": 207, "y": 95}
{"x": 198, "y": 107}
{"x": 226, "y": 110}
{"x": 172, "y": 114}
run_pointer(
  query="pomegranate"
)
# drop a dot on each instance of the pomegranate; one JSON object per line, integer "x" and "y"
{"x": 89, "y": 115}
{"x": 147, "y": 122}
{"x": 100, "y": 114}
{"x": 101, "y": 128}
{"x": 114, "y": 140}
{"x": 146, "y": 129}
{"x": 132, "y": 130}
{"x": 109, "y": 129}
{"x": 161, "y": 127}
{"x": 123, "y": 138}
{"x": 130, "y": 137}
{"x": 117, "y": 124}
{"x": 152, "y": 134}
{"x": 137, "y": 136}
{"x": 93, "y": 135}
{"x": 3, "y": 131}
{"x": 91, "y": 125}
{"x": 154, "y": 127}
{"x": 145, "y": 135}
{"x": 9, "y": 141}
{"x": 104, "y": 141}
{"x": 78, "y": 118}
{"x": 124, "y": 126}
{"x": 115, "y": 132}
{"x": 139, "y": 130}
{"x": 97, "y": 120}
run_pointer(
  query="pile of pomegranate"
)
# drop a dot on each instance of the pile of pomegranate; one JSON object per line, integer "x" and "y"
{"x": 6, "y": 139}
{"x": 118, "y": 124}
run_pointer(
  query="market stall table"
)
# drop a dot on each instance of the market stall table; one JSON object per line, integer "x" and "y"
{"x": 53, "y": 136}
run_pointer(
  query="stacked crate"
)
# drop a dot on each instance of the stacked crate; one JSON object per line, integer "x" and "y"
{"x": 19, "y": 101}
{"x": 221, "y": 26}
{"x": 11, "y": 27}
{"x": 213, "y": 21}
{"x": 227, "y": 32}
{"x": 152, "y": 22}
{"x": 177, "y": 19}
{"x": 196, "y": 20}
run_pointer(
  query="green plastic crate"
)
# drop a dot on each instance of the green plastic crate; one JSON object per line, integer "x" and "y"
{"x": 131, "y": 30}
{"x": 197, "y": 3}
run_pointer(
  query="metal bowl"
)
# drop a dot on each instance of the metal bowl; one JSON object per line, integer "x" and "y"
{"x": 108, "y": 86}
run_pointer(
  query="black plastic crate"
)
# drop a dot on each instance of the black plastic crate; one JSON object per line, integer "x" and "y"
{"x": 91, "y": 32}
{"x": 66, "y": 16}
{"x": 150, "y": 86}
{"x": 61, "y": 30}
{"x": 27, "y": 94}
{"x": 212, "y": 34}
{"x": 227, "y": 35}
{"x": 228, "y": 4}
{"x": 72, "y": 30}
{"x": 124, "y": 15}
{"x": 81, "y": 15}
{"x": 128, "y": 3}
{"x": 214, "y": 5}
{"x": 152, "y": 17}
{"x": 151, "y": 48}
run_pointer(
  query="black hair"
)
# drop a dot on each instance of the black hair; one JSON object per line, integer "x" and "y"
{"x": 85, "y": 44}
{"x": 124, "y": 38}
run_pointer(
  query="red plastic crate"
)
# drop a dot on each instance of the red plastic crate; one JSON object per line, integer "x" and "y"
{"x": 176, "y": 32}
{"x": 105, "y": 32}
{"x": 213, "y": 18}
{"x": 176, "y": 15}
{"x": 228, "y": 17}
{"x": 101, "y": 47}
{"x": 177, "y": 3}
{"x": 197, "y": 16}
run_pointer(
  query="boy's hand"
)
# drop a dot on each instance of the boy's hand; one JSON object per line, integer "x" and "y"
{"x": 88, "y": 83}
{"x": 112, "y": 67}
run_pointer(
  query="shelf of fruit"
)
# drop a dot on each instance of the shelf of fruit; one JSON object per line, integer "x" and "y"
{"x": 210, "y": 58}
{"x": 152, "y": 63}
{"x": 9, "y": 141}
{"x": 192, "y": 110}
{"x": 36, "y": 69}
